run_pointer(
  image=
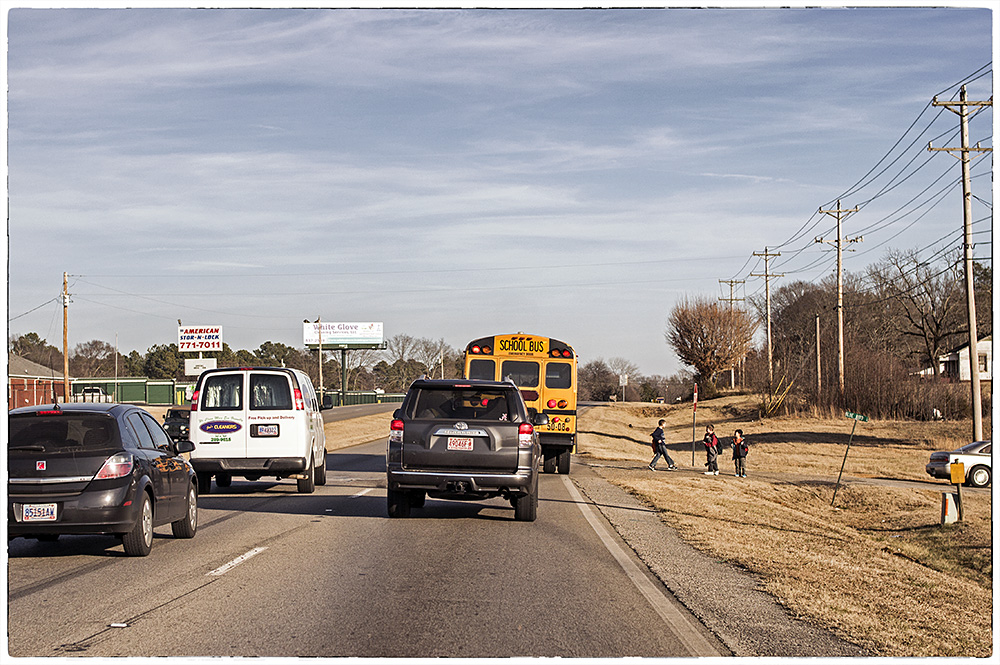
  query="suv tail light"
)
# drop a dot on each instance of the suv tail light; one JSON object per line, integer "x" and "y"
{"x": 524, "y": 435}
{"x": 116, "y": 466}
{"x": 300, "y": 404}
{"x": 396, "y": 431}
{"x": 194, "y": 400}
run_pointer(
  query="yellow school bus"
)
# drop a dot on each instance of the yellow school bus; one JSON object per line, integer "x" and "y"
{"x": 545, "y": 371}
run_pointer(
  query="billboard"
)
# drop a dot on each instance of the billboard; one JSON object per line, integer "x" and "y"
{"x": 199, "y": 338}
{"x": 342, "y": 334}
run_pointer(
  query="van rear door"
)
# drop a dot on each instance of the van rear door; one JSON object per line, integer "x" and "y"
{"x": 222, "y": 423}
{"x": 274, "y": 427}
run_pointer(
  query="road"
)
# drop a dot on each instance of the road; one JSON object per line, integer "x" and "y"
{"x": 275, "y": 573}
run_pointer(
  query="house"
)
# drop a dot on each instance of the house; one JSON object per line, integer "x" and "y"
{"x": 29, "y": 383}
{"x": 955, "y": 365}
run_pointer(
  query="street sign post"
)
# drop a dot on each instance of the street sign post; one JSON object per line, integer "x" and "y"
{"x": 694, "y": 423}
{"x": 857, "y": 418}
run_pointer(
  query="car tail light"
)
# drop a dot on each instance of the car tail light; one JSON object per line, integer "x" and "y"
{"x": 396, "y": 431}
{"x": 194, "y": 400}
{"x": 524, "y": 435}
{"x": 300, "y": 404}
{"x": 116, "y": 466}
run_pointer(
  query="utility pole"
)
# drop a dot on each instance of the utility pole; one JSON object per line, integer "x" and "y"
{"x": 65, "y": 298}
{"x": 732, "y": 299}
{"x": 963, "y": 112}
{"x": 767, "y": 290}
{"x": 840, "y": 213}
{"x": 819, "y": 368}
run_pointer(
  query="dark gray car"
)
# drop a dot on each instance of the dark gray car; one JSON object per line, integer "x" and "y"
{"x": 463, "y": 440}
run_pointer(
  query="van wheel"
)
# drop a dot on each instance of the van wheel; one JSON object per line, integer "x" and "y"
{"x": 204, "y": 483}
{"x": 321, "y": 471}
{"x": 223, "y": 479}
{"x": 307, "y": 485}
{"x": 398, "y": 503}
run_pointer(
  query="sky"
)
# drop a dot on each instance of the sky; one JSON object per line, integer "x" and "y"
{"x": 461, "y": 173}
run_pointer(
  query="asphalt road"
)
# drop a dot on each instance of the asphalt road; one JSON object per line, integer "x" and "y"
{"x": 275, "y": 573}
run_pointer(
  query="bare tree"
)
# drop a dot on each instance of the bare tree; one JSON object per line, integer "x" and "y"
{"x": 709, "y": 336}
{"x": 929, "y": 301}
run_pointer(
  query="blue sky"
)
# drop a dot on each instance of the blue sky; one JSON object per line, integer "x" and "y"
{"x": 459, "y": 173}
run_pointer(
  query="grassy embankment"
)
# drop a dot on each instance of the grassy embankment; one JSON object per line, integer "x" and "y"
{"x": 878, "y": 567}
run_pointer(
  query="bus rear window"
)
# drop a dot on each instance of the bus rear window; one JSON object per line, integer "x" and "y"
{"x": 482, "y": 369}
{"x": 558, "y": 375}
{"x": 524, "y": 373}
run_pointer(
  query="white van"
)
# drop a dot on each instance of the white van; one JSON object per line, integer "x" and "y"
{"x": 255, "y": 422}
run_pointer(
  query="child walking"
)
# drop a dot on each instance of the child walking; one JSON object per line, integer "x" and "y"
{"x": 712, "y": 450}
{"x": 740, "y": 450}
{"x": 659, "y": 446}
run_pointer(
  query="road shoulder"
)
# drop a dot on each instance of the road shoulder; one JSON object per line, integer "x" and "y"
{"x": 725, "y": 599}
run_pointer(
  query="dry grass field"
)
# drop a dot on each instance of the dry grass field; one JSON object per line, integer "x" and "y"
{"x": 877, "y": 567}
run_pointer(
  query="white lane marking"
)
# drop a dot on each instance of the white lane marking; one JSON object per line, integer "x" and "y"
{"x": 689, "y": 635}
{"x": 222, "y": 570}
{"x": 361, "y": 493}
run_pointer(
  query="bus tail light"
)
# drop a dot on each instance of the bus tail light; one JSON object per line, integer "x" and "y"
{"x": 563, "y": 404}
{"x": 524, "y": 435}
{"x": 300, "y": 404}
{"x": 396, "y": 431}
{"x": 551, "y": 404}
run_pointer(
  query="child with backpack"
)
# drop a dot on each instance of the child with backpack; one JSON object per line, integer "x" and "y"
{"x": 740, "y": 450}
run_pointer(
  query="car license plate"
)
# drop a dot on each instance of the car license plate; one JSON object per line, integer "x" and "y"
{"x": 267, "y": 430}
{"x": 455, "y": 443}
{"x": 38, "y": 512}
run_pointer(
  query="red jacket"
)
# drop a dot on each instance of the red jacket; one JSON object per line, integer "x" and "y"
{"x": 712, "y": 442}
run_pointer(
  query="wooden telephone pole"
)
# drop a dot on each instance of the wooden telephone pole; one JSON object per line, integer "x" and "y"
{"x": 65, "y": 298}
{"x": 767, "y": 256}
{"x": 839, "y": 213}
{"x": 732, "y": 299}
{"x": 963, "y": 112}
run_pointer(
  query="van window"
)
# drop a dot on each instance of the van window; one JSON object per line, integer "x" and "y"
{"x": 223, "y": 392}
{"x": 269, "y": 392}
{"x": 524, "y": 373}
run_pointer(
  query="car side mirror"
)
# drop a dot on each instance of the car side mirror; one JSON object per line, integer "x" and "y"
{"x": 184, "y": 447}
{"x": 540, "y": 419}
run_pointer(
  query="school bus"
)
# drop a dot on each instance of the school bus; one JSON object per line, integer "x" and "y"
{"x": 545, "y": 371}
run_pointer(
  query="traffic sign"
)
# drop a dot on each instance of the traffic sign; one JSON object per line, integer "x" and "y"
{"x": 857, "y": 416}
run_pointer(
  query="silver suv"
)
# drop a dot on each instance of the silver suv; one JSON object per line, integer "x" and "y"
{"x": 464, "y": 440}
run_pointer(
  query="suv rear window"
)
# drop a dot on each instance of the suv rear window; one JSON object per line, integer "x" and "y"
{"x": 62, "y": 433}
{"x": 462, "y": 404}
{"x": 269, "y": 392}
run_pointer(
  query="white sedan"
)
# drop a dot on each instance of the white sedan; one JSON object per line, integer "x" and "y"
{"x": 977, "y": 458}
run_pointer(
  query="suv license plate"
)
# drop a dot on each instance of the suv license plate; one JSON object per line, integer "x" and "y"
{"x": 39, "y": 512}
{"x": 455, "y": 443}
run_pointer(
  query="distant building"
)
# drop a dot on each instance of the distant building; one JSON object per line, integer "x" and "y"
{"x": 955, "y": 365}
{"x": 29, "y": 383}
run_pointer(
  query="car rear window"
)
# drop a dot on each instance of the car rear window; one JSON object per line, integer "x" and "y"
{"x": 56, "y": 433}
{"x": 269, "y": 392}
{"x": 463, "y": 404}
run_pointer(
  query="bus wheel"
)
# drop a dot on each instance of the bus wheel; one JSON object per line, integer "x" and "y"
{"x": 549, "y": 461}
{"x": 564, "y": 461}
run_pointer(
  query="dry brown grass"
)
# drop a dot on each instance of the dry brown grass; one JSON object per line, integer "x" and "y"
{"x": 878, "y": 568}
